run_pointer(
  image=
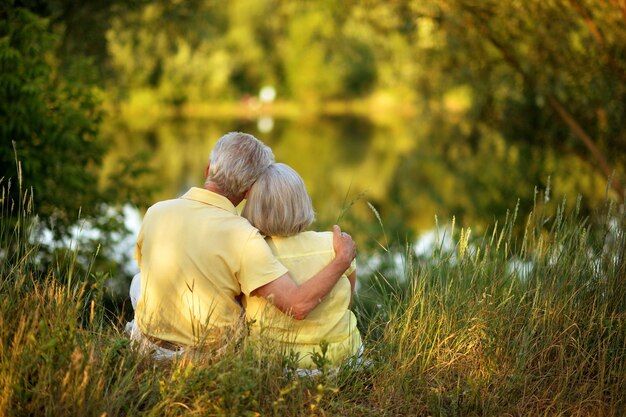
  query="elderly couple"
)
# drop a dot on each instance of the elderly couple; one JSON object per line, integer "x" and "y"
{"x": 206, "y": 271}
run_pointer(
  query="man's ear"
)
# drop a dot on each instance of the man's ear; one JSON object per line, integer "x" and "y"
{"x": 245, "y": 194}
{"x": 206, "y": 171}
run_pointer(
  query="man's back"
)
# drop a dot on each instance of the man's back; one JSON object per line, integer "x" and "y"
{"x": 196, "y": 255}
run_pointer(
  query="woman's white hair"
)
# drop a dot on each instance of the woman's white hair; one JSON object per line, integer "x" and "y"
{"x": 236, "y": 161}
{"x": 278, "y": 203}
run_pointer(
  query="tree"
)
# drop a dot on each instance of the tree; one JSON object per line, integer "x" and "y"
{"x": 52, "y": 121}
{"x": 545, "y": 72}
{"x": 49, "y": 127}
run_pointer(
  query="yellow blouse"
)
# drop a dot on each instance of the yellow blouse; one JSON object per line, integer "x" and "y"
{"x": 304, "y": 255}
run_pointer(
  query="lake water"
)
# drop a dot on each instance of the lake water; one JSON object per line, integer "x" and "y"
{"x": 384, "y": 180}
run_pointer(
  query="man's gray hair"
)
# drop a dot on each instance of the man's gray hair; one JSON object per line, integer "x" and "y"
{"x": 278, "y": 203}
{"x": 236, "y": 161}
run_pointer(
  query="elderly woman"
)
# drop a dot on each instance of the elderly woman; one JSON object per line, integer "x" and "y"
{"x": 279, "y": 206}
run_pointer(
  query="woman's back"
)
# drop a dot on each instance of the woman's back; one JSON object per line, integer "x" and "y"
{"x": 304, "y": 254}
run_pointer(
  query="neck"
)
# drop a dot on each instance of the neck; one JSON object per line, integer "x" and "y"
{"x": 213, "y": 188}
{"x": 217, "y": 190}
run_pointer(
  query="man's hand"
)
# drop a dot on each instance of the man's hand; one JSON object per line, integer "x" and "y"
{"x": 300, "y": 300}
{"x": 345, "y": 248}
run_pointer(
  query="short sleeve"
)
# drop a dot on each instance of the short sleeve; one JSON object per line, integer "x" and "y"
{"x": 259, "y": 266}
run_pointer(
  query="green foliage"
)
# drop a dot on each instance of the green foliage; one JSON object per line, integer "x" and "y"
{"x": 542, "y": 73}
{"x": 549, "y": 74}
{"x": 52, "y": 121}
{"x": 538, "y": 86}
{"x": 546, "y": 72}
{"x": 163, "y": 49}
{"x": 50, "y": 147}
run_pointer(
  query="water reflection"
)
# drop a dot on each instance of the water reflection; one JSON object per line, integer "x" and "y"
{"x": 265, "y": 124}
{"x": 383, "y": 180}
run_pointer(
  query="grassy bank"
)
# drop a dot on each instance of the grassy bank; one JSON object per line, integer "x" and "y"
{"x": 497, "y": 325}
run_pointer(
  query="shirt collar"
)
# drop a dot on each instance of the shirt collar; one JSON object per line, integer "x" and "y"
{"x": 209, "y": 197}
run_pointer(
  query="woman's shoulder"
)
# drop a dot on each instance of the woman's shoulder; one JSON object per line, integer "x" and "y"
{"x": 319, "y": 238}
{"x": 309, "y": 241}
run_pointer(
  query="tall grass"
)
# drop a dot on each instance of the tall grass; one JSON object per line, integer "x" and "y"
{"x": 528, "y": 319}
{"x": 503, "y": 327}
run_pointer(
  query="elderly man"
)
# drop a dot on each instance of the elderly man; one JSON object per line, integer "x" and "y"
{"x": 197, "y": 256}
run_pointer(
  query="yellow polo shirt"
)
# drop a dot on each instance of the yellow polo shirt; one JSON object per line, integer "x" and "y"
{"x": 304, "y": 255}
{"x": 196, "y": 255}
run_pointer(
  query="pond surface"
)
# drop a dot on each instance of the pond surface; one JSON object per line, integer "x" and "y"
{"x": 383, "y": 180}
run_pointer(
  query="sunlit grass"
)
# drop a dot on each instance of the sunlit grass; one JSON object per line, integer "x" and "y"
{"x": 495, "y": 325}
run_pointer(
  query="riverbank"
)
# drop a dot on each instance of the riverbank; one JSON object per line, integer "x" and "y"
{"x": 461, "y": 331}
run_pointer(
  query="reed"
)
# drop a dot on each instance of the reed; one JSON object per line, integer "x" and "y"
{"x": 527, "y": 319}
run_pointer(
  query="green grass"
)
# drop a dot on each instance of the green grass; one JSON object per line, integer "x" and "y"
{"x": 458, "y": 333}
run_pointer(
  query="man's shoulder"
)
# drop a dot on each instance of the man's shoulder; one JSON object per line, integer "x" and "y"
{"x": 166, "y": 202}
{"x": 204, "y": 217}
{"x": 232, "y": 226}
{"x": 163, "y": 206}
{"x": 242, "y": 225}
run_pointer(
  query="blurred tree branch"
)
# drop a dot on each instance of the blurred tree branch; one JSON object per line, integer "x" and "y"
{"x": 481, "y": 18}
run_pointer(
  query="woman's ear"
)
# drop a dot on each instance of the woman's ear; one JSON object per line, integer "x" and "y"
{"x": 206, "y": 171}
